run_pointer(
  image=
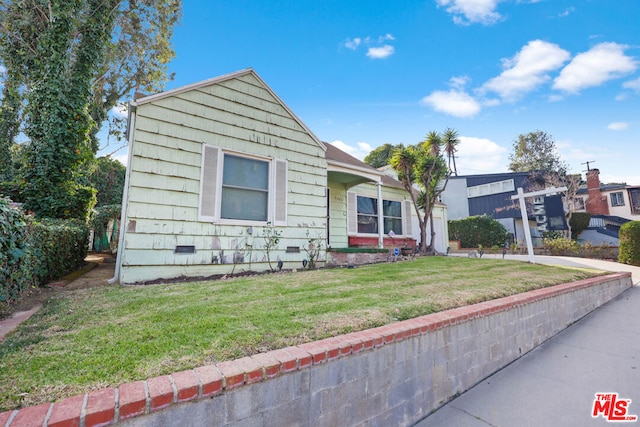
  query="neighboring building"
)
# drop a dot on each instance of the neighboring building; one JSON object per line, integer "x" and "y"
{"x": 610, "y": 206}
{"x": 490, "y": 194}
{"x": 214, "y": 164}
{"x": 618, "y": 199}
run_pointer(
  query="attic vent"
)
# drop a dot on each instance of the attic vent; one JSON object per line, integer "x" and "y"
{"x": 185, "y": 249}
{"x": 293, "y": 249}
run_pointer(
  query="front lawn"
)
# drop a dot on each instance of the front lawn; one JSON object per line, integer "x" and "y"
{"x": 104, "y": 336}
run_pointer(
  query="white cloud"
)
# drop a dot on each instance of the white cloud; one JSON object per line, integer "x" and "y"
{"x": 353, "y": 43}
{"x": 454, "y": 102}
{"x": 377, "y": 48}
{"x": 618, "y": 126}
{"x": 380, "y": 52}
{"x": 603, "y": 62}
{"x": 479, "y": 155}
{"x": 360, "y": 151}
{"x": 467, "y": 12}
{"x": 122, "y": 158}
{"x": 120, "y": 110}
{"x": 632, "y": 84}
{"x": 459, "y": 82}
{"x": 568, "y": 11}
{"x": 527, "y": 70}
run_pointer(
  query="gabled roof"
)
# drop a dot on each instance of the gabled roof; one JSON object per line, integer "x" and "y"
{"x": 341, "y": 163}
{"x": 248, "y": 71}
{"x": 338, "y": 158}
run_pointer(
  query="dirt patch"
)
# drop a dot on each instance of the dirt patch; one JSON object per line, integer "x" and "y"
{"x": 98, "y": 269}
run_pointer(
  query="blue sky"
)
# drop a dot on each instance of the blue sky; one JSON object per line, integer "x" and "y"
{"x": 364, "y": 73}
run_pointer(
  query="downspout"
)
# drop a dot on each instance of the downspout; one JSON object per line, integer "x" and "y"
{"x": 380, "y": 217}
{"x": 125, "y": 196}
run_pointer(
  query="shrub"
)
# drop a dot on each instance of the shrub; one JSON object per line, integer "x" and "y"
{"x": 58, "y": 246}
{"x": 579, "y": 222}
{"x": 630, "y": 243}
{"x": 561, "y": 246}
{"x": 476, "y": 231}
{"x": 14, "y": 276}
{"x": 34, "y": 252}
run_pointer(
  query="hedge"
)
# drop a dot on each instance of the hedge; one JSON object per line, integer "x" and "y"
{"x": 34, "y": 252}
{"x": 474, "y": 231}
{"x": 579, "y": 222}
{"x": 630, "y": 243}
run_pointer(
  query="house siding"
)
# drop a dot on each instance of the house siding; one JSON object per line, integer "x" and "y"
{"x": 238, "y": 114}
{"x": 338, "y": 216}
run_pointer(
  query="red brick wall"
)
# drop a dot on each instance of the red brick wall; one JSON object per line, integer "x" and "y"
{"x": 596, "y": 203}
{"x": 388, "y": 242}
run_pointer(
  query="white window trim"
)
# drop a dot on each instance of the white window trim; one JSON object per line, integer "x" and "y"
{"x": 490, "y": 188}
{"x": 352, "y": 216}
{"x": 273, "y": 163}
{"x": 617, "y": 193}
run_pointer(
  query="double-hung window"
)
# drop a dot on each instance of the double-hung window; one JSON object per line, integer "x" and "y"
{"x": 239, "y": 188}
{"x": 245, "y": 189}
{"x": 617, "y": 199}
{"x": 367, "y": 209}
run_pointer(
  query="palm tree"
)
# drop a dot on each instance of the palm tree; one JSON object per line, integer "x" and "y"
{"x": 451, "y": 142}
{"x": 433, "y": 143}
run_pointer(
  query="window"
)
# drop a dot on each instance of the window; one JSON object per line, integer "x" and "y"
{"x": 491, "y": 188}
{"x": 617, "y": 199}
{"x": 237, "y": 188}
{"x": 634, "y": 197}
{"x": 245, "y": 189}
{"x": 368, "y": 216}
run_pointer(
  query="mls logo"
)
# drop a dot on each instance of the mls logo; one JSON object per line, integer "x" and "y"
{"x": 611, "y": 408}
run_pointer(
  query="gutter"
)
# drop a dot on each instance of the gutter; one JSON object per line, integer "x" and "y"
{"x": 125, "y": 196}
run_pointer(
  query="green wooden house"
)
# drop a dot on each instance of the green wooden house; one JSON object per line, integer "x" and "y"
{"x": 217, "y": 167}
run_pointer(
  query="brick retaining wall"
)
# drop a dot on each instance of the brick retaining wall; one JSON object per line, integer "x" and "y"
{"x": 391, "y": 375}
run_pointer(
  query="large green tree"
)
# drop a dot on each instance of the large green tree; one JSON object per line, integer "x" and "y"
{"x": 107, "y": 177}
{"x": 536, "y": 152}
{"x": 423, "y": 166}
{"x": 67, "y": 64}
{"x": 381, "y": 156}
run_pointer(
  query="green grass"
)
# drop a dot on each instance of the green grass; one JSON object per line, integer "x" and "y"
{"x": 104, "y": 336}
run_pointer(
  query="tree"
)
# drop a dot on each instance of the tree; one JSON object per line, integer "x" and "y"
{"x": 136, "y": 58}
{"x": 70, "y": 62}
{"x": 536, "y": 151}
{"x": 381, "y": 156}
{"x": 107, "y": 176}
{"x": 451, "y": 142}
{"x": 423, "y": 166}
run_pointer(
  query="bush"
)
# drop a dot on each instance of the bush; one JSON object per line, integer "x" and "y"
{"x": 476, "y": 231}
{"x": 68, "y": 200}
{"x": 561, "y": 246}
{"x": 14, "y": 276}
{"x": 579, "y": 222}
{"x": 630, "y": 243}
{"x": 32, "y": 252}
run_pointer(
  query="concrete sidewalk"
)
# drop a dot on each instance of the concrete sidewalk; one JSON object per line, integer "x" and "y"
{"x": 555, "y": 384}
